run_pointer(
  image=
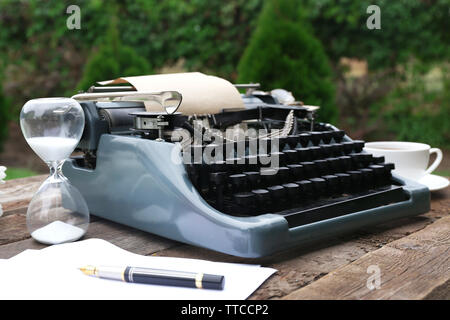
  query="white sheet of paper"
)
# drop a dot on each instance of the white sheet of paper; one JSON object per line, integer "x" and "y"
{"x": 202, "y": 94}
{"x": 52, "y": 273}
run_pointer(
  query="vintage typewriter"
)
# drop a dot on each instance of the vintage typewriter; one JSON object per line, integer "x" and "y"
{"x": 294, "y": 183}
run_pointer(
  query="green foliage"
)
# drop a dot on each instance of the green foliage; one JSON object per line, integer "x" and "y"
{"x": 282, "y": 53}
{"x": 16, "y": 173}
{"x": 409, "y": 28}
{"x": 419, "y": 109}
{"x": 113, "y": 60}
{"x": 4, "y": 117}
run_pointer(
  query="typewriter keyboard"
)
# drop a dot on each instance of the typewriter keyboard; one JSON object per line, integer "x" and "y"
{"x": 319, "y": 176}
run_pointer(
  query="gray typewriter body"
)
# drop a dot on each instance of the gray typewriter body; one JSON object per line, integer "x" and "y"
{"x": 143, "y": 183}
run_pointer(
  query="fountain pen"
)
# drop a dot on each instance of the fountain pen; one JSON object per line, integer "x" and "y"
{"x": 157, "y": 276}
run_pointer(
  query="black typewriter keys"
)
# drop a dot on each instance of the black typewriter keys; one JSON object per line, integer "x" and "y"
{"x": 356, "y": 180}
{"x": 292, "y": 141}
{"x": 319, "y": 187}
{"x": 315, "y": 152}
{"x": 377, "y": 160}
{"x": 304, "y": 139}
{"x": 218, "y": 180}
{"x": 253, "y": 179}
{"x": 344, "y": 182}
{"x": 306, "y": 189}
{"x": 348, "y": 147}
{"x": 358, "y": 145}
{"x": 345, "y": 163}
{"x": 368, "y": 178}
{"x": 290, "y": 174}
{"x": 316, "y": 138}
{"x": 283, "y": 175}
{"x": 238, "y": 182}
{"x": 338, "y": 135}
{"x": 309, "y": 169}
{"x": 327, "y": 136}
{"x": 291, "y": 156}
{"x": 262, "y": 197}
{"x": 277, "y": 194}
{"x": 378, "y": 172}
{"x": 303, "y": 154}
{"x": 292, "y": 192}
{"x": 322, "y": 166}
{"x": 332, "y": 184}
{"x": 296, "y": 170}
{"x": 326, "y": 150}
{"x": 279, "y": 157}
{"x": 245, "y": 202}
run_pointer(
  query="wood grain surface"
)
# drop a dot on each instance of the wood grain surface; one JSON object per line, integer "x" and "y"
{"x": 412, "y": 254}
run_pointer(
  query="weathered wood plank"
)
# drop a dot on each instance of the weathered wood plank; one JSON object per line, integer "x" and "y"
{"x": 124, "y": 237}
{"x": 414, "y": 267}
{"x": 297, "y": 268}
{"x": 13, "y": 228}
{"x": 17, "y": 193}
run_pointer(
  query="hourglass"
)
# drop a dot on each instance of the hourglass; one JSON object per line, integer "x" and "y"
{"x": 53, "y": 127}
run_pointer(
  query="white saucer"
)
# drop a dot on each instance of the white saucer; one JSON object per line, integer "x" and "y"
{"x": 434, "y": 182}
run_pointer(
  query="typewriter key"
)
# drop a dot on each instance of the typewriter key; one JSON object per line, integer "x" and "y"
{"x": 332, "y": 184}
{"x": 262, "y": 197}
{"x": 304, "y": 138}
{"x": 245, "y": 202}
{"x": 358, "y": 145}
{"x": 356, "y": 180}
{"x": 291, "y": 156}
{"x": 322, "y": 166}
{"x": 283, "y": 175}
{"x": 303, "y": 154}
{"x": 348, "y": 147}
{"x": 319, "y": 187}
{"x": 338, "y": 135}
{"x": 368, "y": 178}
{"x": 292, "y": 192}
{"x": 344, "y": 182}
{"x": 378, "y": 172}
{"x": 278, "y": 195}
{"x": 296, "y": 170}
{"x": 309, "y": 169}
{"x": 253, "y": 179}
{"x": 327, "y": 136}
{"x": 316, "y": 138}
{"x": 238, "y": 182}
{"x": 306, "y": 189}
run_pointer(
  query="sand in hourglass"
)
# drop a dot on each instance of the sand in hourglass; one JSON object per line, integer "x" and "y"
{"x": 57, "y": 232}
{"x": 52, "y": 148}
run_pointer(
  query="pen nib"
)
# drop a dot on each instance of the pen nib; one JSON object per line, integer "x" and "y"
{"x": 88, "y": 270}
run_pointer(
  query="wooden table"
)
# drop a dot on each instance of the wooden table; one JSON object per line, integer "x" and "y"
{"x": 412, "y": 255}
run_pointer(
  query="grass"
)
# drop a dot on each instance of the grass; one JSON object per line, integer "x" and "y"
{"x": 444, "y": 173}
{"x": 15, "y": 173}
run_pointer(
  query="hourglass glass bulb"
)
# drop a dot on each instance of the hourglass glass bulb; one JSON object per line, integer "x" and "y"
{"x": 53, "y": 127}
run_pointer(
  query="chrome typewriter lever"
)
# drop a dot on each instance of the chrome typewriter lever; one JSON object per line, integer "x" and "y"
{"x": 169, "y": 100}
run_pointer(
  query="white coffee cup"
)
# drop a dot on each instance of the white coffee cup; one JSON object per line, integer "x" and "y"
{"x": 410, "y": 158}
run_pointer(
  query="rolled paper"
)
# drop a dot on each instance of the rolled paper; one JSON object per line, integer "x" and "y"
{"x": 202, "y": 94}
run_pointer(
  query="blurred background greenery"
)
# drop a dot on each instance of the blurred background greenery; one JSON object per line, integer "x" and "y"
{"x": 392, "y": 83}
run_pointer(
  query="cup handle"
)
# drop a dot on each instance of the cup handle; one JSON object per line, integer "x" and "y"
{"x": 436, "y": 162}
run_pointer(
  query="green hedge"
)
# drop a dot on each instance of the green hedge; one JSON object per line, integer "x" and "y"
{"x": 283, "y": 53}
{"x": 112, "y": 60}
{"x": 4, "y": 117}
